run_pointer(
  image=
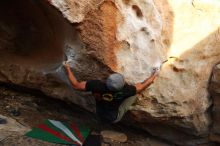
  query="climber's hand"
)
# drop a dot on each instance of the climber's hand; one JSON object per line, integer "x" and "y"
{"x": 155, "y": 71}
{"x": 66, "y": 64}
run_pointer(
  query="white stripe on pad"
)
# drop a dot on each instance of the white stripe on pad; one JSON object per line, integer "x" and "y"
{"x": 65, "y": 130}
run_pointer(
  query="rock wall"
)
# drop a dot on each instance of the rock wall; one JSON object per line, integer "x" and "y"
{"x": 181, "y": 88}
{"x": 214, "y": 90}
{"x": 33, "y": 36}
{"x": 126, "y": 36}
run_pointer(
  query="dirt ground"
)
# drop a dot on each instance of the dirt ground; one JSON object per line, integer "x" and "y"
{"x": 30, "y": 108}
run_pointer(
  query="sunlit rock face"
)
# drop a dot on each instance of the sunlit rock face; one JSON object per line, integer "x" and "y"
{"x": 126, "y": 36}
{"x": 179, "y": 94}
{"x": 140, "y": 29}
{"x": 75, "y": 10}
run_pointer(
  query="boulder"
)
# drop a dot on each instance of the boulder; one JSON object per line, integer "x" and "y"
{"x": 109, "y": 135}
{"x": 126, "y": 36}
{"x": 214, "y": 89}
{"x": 181, "y": 88}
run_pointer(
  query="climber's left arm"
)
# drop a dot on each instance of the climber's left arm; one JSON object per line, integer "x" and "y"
{"x": 141, "y": 86}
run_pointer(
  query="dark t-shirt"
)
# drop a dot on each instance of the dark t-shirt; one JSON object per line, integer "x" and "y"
{"x": 108, "y": 102}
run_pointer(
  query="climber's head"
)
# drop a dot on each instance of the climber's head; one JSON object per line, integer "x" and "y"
{"x": 115, "y": 82}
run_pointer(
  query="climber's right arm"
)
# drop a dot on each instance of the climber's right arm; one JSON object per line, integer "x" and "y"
{"x": 74, "y": 82}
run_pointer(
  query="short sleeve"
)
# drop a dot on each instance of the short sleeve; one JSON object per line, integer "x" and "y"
{"x": 129, "y": 90}
{"x": 94, "y": 85}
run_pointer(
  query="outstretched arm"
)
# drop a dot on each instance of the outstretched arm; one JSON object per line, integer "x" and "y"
{"x": 141, "y": 86}
{"x": 75, "y": 84}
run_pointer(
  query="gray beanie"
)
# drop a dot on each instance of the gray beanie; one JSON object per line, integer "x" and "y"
{"x": 115, "y": 82}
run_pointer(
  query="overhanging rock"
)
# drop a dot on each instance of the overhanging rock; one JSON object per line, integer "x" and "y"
{"x": 126, "y": 36}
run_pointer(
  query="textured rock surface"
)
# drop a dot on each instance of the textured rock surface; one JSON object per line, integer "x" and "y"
{"x": 120, "y": 36}
{"x": 75, "y": 10}
{"x": 127, "y": 36}
{"x": 114, "y": 136}
{"x": 39, "y": 48}
{"x": 179, "y": 94}
{"x": 214, "y": 89}
{"x": 103, "y": 33}
{"x": 11, "y": 127}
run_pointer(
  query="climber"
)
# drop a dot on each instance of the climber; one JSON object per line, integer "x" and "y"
{"x": 113, "y": 97}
